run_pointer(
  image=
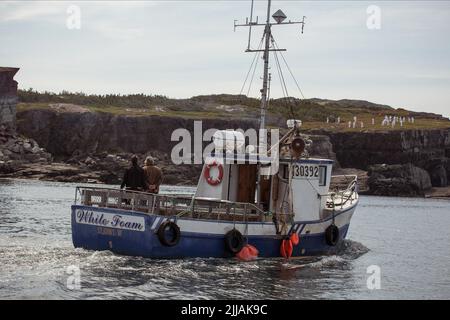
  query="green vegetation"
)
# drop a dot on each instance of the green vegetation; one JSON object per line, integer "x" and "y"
{"x": 313, "y": 112}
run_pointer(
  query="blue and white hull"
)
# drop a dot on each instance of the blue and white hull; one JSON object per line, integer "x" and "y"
{"x": 135, "y": 233}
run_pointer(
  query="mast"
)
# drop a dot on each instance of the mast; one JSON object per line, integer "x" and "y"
{"x": 267, "y": 34}
{"x": 279, "y": 17}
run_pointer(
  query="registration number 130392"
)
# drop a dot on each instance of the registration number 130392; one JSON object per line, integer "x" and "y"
{"x": 305, "y": 171}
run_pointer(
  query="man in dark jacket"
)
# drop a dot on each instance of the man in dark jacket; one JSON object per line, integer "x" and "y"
{"x": 134, "y": 178}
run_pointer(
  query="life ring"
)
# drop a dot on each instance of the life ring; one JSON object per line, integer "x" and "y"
{"x": 332, "y": 235}
{"x": 209, "y": 179}
{"x": 173, "y": 228}
{"x": 234, "y": 241}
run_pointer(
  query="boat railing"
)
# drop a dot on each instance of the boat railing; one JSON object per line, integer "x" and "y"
{"x": 168, "y": 205}
{"x": 342, "y": 196}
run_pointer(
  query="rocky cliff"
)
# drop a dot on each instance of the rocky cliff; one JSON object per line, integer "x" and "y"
{"x": 67, "y": 134}
{"x": 362, "y": 149}
{"x": 425, "y": 149}
{"x": 92, "y": 139}
{"x": 98, "y": 145}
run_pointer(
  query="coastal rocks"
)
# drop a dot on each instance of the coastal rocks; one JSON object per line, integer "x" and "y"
{"x": 6, "y": 167}
{"x": 60, "y": 172}
{"x": 438, "y": 170}
{"x": 109, "y": 168}
{"x": 343, "y": 176}
{"x": 398, "y": 180}
{"x": 438, "y": 176}
{"x": 428, "y": 149}
{"x": 16, "y": 151}
{"x": 362, "y": 149}
{"x": 322, "y": 148}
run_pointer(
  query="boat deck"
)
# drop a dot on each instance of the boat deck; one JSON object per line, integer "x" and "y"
{"x": 171, "y": 205}
{"x": 201, "y": 208}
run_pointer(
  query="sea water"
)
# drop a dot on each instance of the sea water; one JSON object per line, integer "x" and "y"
{"x": 397, "y": 248}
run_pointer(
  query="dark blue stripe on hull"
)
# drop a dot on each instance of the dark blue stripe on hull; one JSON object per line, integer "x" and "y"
{"x": 147, "y": 244}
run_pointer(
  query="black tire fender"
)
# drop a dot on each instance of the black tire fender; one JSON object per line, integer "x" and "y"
{"x": 332, "y": 235}
{"x": 172, "y": 226}
{"x": 234, "y": 241}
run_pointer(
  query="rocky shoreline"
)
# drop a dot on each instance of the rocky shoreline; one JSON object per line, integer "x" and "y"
{"x": 17, "y": 152}
{"x": 97, "y": 149}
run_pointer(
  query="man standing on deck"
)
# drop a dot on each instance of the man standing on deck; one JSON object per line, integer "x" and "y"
{"x": 134, "y": 178}
{"x": 153, "y": 175}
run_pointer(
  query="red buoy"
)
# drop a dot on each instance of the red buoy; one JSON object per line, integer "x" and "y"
{"x": 295, "y": 239}
{"x": 248, "y": 253}
{"x": 286, "y": 248}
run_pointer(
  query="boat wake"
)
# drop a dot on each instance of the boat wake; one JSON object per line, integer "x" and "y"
{"x": 345, "y": 252}
{"x": 351, "y": 250}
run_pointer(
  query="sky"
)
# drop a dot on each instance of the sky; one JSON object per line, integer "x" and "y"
{"x": 180, "y": 49}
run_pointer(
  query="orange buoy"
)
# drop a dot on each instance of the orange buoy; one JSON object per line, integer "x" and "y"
{"x": 247, "y": 253}
{"x": 295, "y": 239}
{"x": 286, "y": 248}
{"x": 252, "y": 250}
{"x": 283, "y": 250}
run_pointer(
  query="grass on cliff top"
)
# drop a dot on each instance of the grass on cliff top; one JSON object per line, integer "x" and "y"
{"x": 313, "y": 116}
{"x": 128, "y": 112}
{"x": 343, "y": 126}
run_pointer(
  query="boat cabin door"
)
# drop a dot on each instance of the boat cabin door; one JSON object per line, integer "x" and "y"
{"x": 248, "y": 179}
{"x": 247, "y": 183}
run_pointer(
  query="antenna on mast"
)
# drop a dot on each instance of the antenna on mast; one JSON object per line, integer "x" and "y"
{"x": 279, "y": 18}
{"x": 250, "y": 28}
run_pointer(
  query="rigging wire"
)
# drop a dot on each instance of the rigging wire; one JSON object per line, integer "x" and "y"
{"x": 289, "y": 69}
{"x": 253, "y": 75}
{"x": 255, "y": 58}
{"x": 289, "y": 101}
{"x": 280, "y": 74}
{"x": 282, "y": 79}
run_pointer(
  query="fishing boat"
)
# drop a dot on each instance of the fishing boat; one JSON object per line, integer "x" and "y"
{"x": 242, "y": 201}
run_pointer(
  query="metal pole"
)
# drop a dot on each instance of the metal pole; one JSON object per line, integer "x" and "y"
{"x": 267, "y": 33}
{"x": 262, "y": 124}
{"x": 250, "y": 28}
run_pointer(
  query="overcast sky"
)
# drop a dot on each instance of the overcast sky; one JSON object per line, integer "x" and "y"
{"x": 186, "y": 48}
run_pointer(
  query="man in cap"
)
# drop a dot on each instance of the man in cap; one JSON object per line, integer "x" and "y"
{"x": 153, "y": 175}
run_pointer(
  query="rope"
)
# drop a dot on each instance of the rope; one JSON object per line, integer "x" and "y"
{"x": 290, "y": 71}
{"x": 289, "y": 101}
{"x": 251, "y": 67}
{"x": 293, "y": 77}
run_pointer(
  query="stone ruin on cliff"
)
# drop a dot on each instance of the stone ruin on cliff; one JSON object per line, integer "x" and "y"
{"x": 8, "y": 98}
{"x": 15, "y": 151}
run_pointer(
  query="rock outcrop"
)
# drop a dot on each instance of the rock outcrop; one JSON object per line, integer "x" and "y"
{"x": 102, "y": 144}
{"x": 16, "y": 151}
{"x": 398, "y": 180}
{"x": 426, "y": 149}
{"x": 362, "y": 149}
{"x": 322, "y": 148}
{"x": 67, "y": 134}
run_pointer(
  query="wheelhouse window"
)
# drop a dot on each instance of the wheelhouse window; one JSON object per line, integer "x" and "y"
{"x": 322, "y": 176}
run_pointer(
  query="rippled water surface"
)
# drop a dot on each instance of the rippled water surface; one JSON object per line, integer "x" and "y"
{"x": 407, "y": 238}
